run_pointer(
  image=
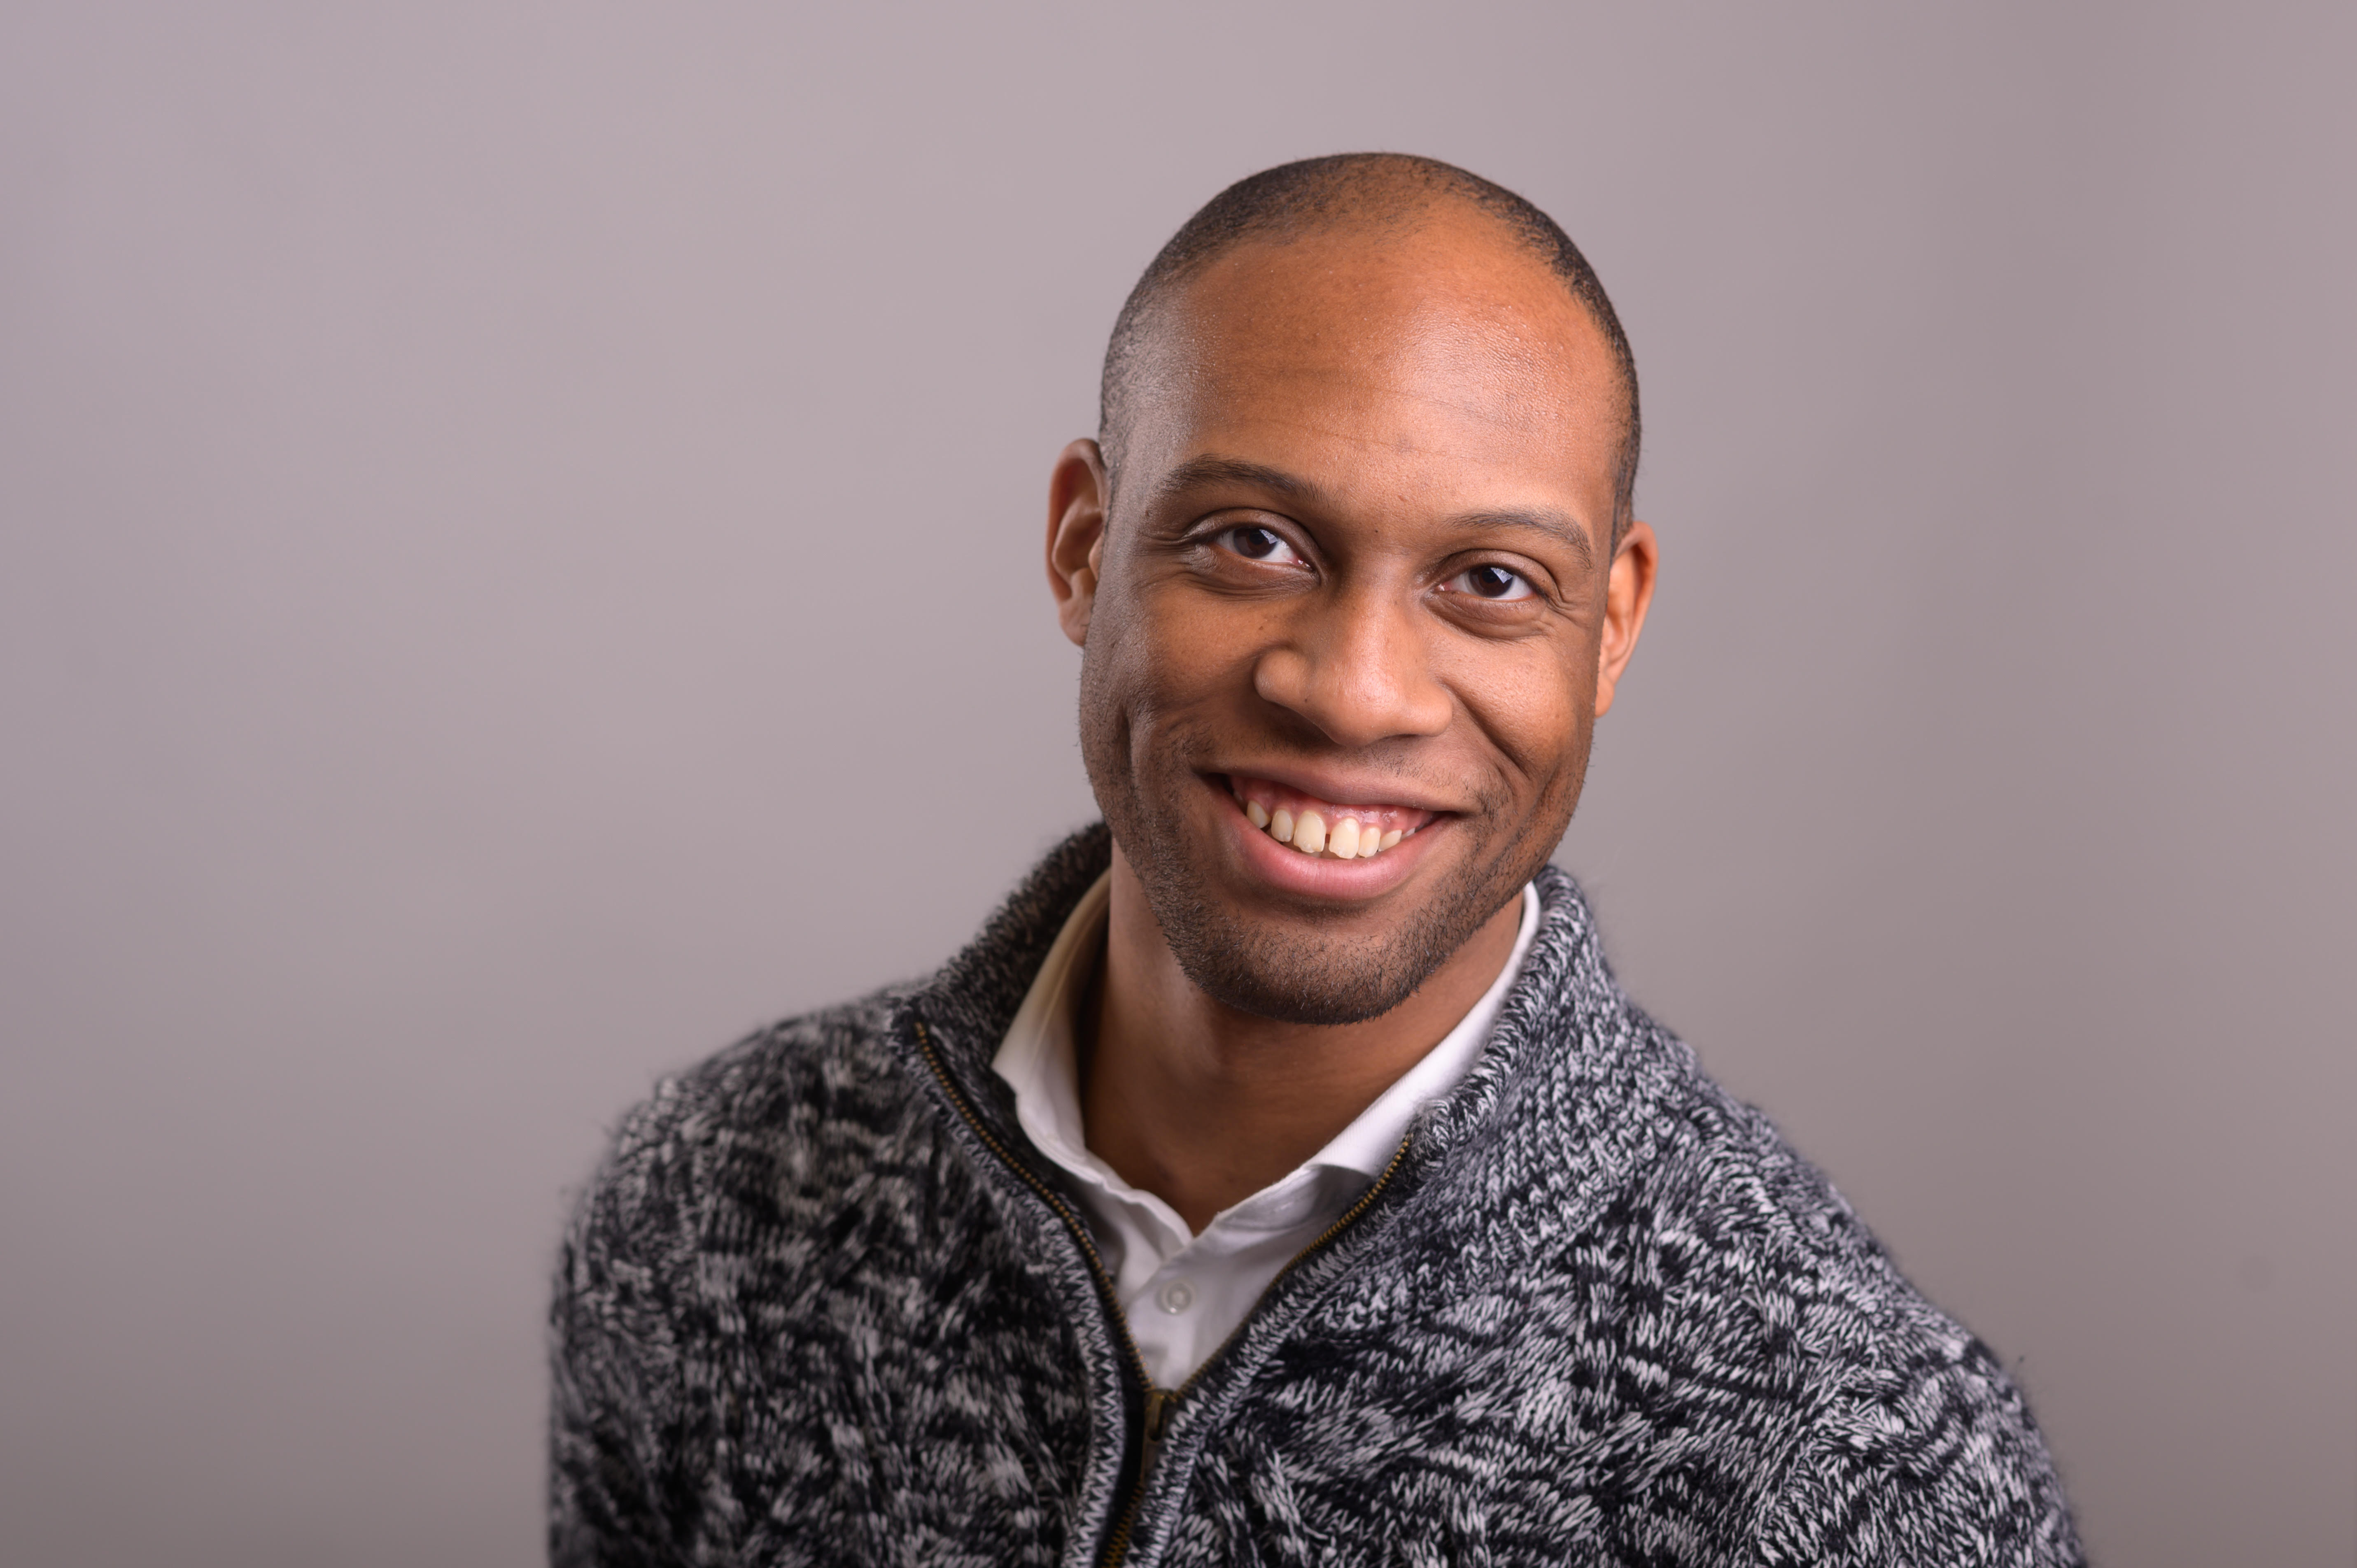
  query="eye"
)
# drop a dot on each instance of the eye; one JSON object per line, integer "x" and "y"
{"x": 1493, "y": 582}
{"x": 1254, "y": 542}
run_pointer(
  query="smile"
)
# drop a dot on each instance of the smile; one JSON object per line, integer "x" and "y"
{"x": 1324, "y": 828}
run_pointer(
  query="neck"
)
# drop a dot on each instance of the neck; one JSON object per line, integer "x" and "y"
{"x": 1202, "y": 1105}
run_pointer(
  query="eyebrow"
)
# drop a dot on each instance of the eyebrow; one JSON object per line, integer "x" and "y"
{"x": 1214, "y": 471}
{"x": 1555, "y": 525}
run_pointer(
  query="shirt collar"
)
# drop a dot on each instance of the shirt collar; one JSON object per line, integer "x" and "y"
{"x": 1037, "y": 1056}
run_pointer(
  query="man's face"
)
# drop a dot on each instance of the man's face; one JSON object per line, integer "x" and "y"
{"x": 1353, "y": 589}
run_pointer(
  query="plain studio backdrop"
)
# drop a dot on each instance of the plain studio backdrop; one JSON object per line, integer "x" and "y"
{"x": 521, "y": 563}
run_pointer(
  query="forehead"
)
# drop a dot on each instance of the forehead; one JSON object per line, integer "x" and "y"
{"x": 1444, "y": 356}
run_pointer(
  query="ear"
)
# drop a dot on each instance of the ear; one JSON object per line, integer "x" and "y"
{"x": 1627, "y": 595}
{"x": 1077, "y": 494}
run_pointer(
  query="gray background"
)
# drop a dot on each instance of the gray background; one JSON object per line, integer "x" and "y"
{"x": 521, "y": 563}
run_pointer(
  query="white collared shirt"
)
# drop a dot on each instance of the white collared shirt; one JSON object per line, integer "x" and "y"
{"x": 1185, "y": 1293}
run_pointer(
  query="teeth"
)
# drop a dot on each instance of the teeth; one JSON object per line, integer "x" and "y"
{"x": 1349, "y": 838}
{"x": 1310, "y": 832}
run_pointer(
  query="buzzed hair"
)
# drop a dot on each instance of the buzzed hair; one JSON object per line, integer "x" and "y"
{"x": 1374, "y": 189}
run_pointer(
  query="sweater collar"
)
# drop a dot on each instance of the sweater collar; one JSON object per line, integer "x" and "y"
{"x": 1550, "y": 1106}
{"x": 966, "y": 1007}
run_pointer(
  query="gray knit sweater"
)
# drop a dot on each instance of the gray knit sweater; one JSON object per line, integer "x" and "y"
{"x": 825, "y": 1304}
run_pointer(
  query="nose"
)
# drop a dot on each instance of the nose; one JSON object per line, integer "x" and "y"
{"x": 1359, "y": 667}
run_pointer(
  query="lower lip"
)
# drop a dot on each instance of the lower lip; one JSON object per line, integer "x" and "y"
{"x": 1323, "y": 877}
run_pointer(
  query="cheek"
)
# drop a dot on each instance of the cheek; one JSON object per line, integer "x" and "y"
{"x": 1529, "y": 703}
{"x": 1139, "y": 668}
{"x": 1180, "y": 652}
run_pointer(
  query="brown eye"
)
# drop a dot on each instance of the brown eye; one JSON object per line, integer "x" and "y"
{"x": 1493, "y": 582}
{"x": 1254, "y": 542}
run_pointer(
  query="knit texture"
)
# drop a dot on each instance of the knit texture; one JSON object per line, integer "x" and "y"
{"x": 823, "y": 1304}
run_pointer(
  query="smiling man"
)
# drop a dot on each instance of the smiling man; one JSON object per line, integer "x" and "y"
{"x": 1281, "y": 1177}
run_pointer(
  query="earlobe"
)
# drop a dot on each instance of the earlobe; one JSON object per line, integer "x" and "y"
{"x": 1077, "y": 494}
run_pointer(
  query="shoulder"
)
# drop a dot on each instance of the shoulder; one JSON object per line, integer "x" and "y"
{"x": 1905, "y": 1438}
{"x": 1767, "y": 1225}
{"x": 1724, "y": 1166}
{"x": 776, "y": 1126}
{"x": 715, "y": 1233}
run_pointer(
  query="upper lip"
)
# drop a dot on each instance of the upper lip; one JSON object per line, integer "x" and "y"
{"x": 1345, "y": 789}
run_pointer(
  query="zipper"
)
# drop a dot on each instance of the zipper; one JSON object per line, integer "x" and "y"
{"x": 1160, "y": 1401}
{"x": 1161, "y": 1404}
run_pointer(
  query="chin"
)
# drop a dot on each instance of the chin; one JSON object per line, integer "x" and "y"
{"x": 1295, "y": 973}
{"x": 1247, "y": 977}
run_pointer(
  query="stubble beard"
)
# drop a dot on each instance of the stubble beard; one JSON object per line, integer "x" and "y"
{"x": 1282, "y": 972}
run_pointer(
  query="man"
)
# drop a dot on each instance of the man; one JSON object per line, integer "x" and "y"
{"x": 1281, "y": 1177}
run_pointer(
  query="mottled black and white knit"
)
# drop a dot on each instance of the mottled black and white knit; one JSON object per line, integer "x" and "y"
{"x": 823, "y": 1305}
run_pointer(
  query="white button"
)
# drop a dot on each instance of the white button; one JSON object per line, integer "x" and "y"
{"x": 1175, "y": 1297}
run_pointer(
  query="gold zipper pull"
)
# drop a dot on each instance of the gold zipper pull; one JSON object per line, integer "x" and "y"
{"x": 1160, "y": 1405}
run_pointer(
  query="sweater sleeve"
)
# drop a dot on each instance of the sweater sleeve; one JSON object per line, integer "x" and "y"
{"x": 1926, "y": 1458}
{"x": 617, "y": 1410}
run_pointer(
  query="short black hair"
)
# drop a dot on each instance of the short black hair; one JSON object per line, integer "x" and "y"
{"x": 1378, "y": 189}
